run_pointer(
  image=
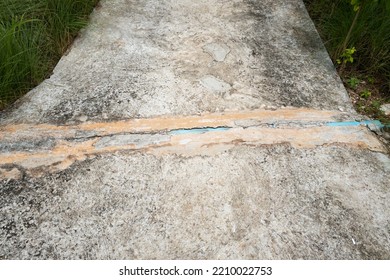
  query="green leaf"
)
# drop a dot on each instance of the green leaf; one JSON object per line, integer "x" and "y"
{"x": 353, "y": 82}
{"x": 365, "y": 94}
{"x": 356, "y": 5}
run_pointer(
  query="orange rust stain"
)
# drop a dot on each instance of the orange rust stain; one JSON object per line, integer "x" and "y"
{"x": 299, "y": 138}
{"x": 302, "y": 137}
{"x": 169, "y": 123}
{"x": 62, "y": 150}
{"x": 66, "y": 152}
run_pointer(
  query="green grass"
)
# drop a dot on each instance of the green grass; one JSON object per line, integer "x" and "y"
{"x": 370, "y": 35}
{"x": 33, "y": 36}
{"x": 366, "y": 75}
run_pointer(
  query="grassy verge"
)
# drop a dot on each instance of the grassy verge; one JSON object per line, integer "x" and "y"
{"x": 356, "y": 34}
{"x": 33, "y": 36}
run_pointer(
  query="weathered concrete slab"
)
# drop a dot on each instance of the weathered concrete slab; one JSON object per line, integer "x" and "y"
{"x": 36, "y": 149}
{"x": 9, "y": 133}
{"x": 272, "y": 202}
{"x": 151, "y": 58}
{"x": 161, "y": 135}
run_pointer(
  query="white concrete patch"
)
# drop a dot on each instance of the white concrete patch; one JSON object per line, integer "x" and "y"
{"x": 214, "y": 84}
{"x": 386, "y": 109}
{"x": 185, "y": 141}
{"x": 138, "y": 141}
{"x": 217, "y": 51}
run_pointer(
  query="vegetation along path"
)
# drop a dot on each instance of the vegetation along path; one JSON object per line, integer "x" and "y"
{"x": 193, "y": 130}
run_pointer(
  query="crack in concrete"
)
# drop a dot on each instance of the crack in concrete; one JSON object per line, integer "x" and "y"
{"x": 187, "y": 136}
{"x": 260, "y": 184}
{"x": 167, "y": 123}
{"x": 198, "y": 130}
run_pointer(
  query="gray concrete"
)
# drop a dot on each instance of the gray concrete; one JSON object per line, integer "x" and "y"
{"x": 150, "y": 58}
{"x": 247, "y": 203}
{"x": 386, "y": 109}
{"x": 81, "y": 179}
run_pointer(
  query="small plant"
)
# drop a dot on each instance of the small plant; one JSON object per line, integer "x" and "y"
{"x": 364, "y": 25}
{"x": 356, "y": 5}
{"x": 346, "y": 56}
{"x": 353, "y": 82}
{"x": 376, "y": 104}
{"x": 365, "y": 94}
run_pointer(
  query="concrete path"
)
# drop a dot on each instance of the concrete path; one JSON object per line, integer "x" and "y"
{"x": 193, "y": 130}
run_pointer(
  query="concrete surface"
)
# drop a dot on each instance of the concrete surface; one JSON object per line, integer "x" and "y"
{"x": 34, "y": 150}
{"x": 193, "y": 130}
{"x": 151, "y": 58}
{"x": 386, "y": 109}
{"x": 272, "y": 202}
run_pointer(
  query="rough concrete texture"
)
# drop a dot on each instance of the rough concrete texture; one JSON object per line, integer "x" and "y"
{"x": 161, "y": 135}
{"x": 386, "y": 109}
{"x": 271, "y": 202}
{"x": 36, "y": 149}
{"x": 150, "y": 58}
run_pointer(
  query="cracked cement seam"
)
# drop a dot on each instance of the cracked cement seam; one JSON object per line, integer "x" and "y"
{"x": 190, "y": 141}
{"x": 168, "y": 123}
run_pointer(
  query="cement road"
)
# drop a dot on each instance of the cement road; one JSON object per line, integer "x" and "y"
{"x": 193, "y": 130}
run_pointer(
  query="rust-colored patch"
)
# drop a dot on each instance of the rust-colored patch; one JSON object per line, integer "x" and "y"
{"x": 70, "y": 146}
{"x": 11, "y": 173}
{"x": 165, "y": 123}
